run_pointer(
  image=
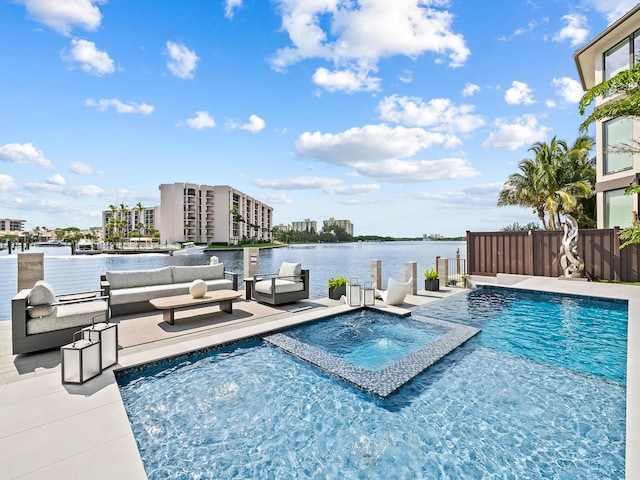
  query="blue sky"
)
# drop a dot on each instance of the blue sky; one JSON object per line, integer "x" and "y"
{"x": 404, "y": 116}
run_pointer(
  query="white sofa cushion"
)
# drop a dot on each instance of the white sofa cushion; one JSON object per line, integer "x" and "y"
{"x": 41, "y": 297}
{"x": 202, "y": 272}
{"x": 144, "y": 294}
{"x": 139, "y": 278}
{"x": 291, "y": 270}
{"x": 282, "y": 286}
{"x": 67, "y": 316}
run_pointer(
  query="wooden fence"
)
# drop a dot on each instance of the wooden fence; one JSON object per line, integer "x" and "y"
{"x": 536, "y": 253}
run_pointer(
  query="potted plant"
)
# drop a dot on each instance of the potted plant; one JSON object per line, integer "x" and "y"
{"x": 337, "y": 287}
{"x": 431, "y": 281}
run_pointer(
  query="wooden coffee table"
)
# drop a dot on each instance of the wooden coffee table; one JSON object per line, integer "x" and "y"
{"x": 169, "y": 304}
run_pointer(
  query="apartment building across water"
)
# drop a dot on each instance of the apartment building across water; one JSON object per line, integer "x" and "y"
{"x": 212, "y": 214}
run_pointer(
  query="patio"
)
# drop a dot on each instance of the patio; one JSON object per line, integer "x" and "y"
{"x": 49, "y": 430}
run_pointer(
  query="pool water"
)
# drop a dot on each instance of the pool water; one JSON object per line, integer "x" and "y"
{"x": 254, "y": 411}
{"x": 369, "y": 339}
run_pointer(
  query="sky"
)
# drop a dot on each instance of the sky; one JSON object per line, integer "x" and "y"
{"x": 404, "y": 116}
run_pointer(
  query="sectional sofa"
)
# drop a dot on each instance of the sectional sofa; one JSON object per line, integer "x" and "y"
{"x": 129, "y": 291}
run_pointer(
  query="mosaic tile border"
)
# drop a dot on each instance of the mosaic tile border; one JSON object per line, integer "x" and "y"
{"x": 384, "y": 383}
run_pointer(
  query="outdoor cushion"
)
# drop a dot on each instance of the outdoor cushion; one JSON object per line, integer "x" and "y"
{"x": 139, "y": 278}
{"x": 282, "y": 286}
{"x": 203, "y": 272}
{"x": 67, "y": 316}
{"x": 41, "y": 296}
{"x": 291, "y": 270}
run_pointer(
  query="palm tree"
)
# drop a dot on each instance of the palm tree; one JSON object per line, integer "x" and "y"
{"x": 140, "y": 226}
{"x": 554, "y": 182}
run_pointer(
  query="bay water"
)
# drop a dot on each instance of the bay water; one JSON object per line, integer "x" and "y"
{"x": 79, "y": 273}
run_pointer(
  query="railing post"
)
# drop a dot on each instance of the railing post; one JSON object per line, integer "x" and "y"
{"x": 411, "y": 272}
{"x": 376, "y": 274}
{"x": 30, "y": 269}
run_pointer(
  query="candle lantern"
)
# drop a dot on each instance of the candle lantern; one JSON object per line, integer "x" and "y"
{"x": 80, "y": 360}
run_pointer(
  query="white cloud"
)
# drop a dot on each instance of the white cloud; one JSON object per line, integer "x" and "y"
{"x": 326, "y": 185}
{"x": 277, "y": 199}
{"x": 343, "y": 32}
{"x": 132, "y": 107}
{"x": 81, "y": 168}
{"x": 568, "y": 89}
{"x": 201, "y": 121}
{"x": 519, "y": 94}
{"x": 612, "y": 9}
{"x": 230, "y": 6}
{"x": 23, "y": 153}
{"x": 383, "y": 152}
{"x": 470, "y": 89}
{"x": 7, "y": 183}
{"x": 512, "y": 135}
{"x": 182, "y": 61}
{"x": 56, "y": 179}
{"x": 575, "y": 30}
{"x": 255, "y": 124}
{"x": 406, "y": 76}
{"x": 91, "y": 59}
{"x": 64, "y": 15}
{"x": 439, "y": 113}
{"x": 345, "y": 80}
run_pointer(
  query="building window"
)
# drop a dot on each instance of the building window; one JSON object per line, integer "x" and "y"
{"x": 617, "y": 134}
{"x": 618, "y": 209}
{"x": 616, "y": 59}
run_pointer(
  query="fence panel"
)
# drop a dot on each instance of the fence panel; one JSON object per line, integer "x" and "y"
{"x": 537, "y": 253}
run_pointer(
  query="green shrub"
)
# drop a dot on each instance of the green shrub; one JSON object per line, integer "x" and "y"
{"x": 337, "y": 282}
{"x": 431, "y": 274}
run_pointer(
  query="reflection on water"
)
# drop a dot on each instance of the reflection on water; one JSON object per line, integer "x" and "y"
{"x": 69, "y": 273}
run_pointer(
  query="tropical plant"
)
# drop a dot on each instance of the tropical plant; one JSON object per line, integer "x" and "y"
{"x": 336, "y": 282}
{"x": 554, "y": 182}
{"x": 431, "y": 274}
{"x": 631, "y": 234}
{"x": 627, "y": 83}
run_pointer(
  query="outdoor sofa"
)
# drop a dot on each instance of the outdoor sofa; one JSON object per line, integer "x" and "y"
{"x": 129, "y": 291}
{"x": 42, "y": 320}
{"x": 289, "y": 285}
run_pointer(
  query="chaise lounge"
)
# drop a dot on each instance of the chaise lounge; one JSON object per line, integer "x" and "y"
{"x": 395, "y": 293}
{"x": 41, "y": 320}
{"x": 289, "y": 285}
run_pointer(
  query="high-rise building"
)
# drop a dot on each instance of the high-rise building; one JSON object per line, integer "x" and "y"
{"x": 306, "y": 225}
{"x": 614, "y": 50}
{"x": 211, "y": 214}
{"x": 346, "y": 224}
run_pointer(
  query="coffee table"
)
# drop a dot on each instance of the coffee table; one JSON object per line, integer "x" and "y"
{"x": 169, "y": 304}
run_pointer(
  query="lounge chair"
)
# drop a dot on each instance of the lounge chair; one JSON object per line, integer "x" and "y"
{"x": 395, "y": 293}
{"x": 41, "y": 320}
{"x": 289, "y": 285}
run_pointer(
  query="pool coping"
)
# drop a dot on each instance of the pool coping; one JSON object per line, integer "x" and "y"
{"x": 49, "y": 430}
{"x": 385, "y": 382}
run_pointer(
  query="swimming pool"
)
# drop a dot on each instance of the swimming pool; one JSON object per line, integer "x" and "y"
{"x": 254, "y": 411}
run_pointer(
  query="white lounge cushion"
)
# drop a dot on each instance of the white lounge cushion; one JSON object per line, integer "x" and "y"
{"x": 41, "y": 297}
{"x": 290, "y": 270}
{"x": 395, "y": 292}
{"x": 139, "y": 278}
{"x": 67, "y": 316}
{"x": 202, "y": 272}
{"x": 282, "y": 286}
{"x": 144, "y": 294}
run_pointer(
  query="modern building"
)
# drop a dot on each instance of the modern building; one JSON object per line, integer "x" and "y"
{"x": 306, "y": 225}
{"x": 10, "y": 226}
{"x": 212, "y": 214}
{"x": 132, "y": 221}
{"x": 614, "y": 50}
{"x": 346, "y": 224}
